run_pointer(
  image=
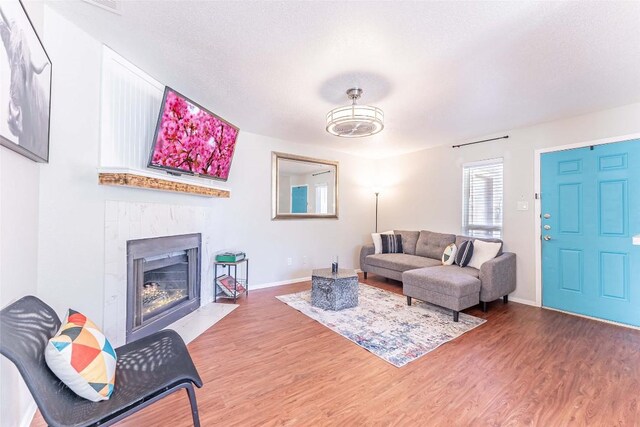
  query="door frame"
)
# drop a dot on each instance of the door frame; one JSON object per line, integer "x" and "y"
{"x": 538, "y": 205}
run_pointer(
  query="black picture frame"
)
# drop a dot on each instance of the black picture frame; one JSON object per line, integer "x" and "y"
{"x": 25, "y": 119}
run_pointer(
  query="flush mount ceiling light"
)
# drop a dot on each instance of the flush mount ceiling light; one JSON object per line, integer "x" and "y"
{"x": 353, "y": 121}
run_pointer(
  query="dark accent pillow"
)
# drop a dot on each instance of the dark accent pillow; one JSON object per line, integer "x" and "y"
{"x": 464, "y": 254}
{"x": 391, "y": 243}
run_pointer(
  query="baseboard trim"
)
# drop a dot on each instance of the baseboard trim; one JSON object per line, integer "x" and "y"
{"x": 285, "y": 282}
{"x": 611, "y": 322}
{"x": 523, "y": 301}
{"x": 27, "y": 418}
{"x": 279, "y": 283}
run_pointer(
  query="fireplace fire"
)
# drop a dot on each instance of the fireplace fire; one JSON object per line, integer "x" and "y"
{"x": 156, "y": 299}
{"x": 163, "y": 282}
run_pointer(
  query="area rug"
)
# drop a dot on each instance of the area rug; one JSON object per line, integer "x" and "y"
{"x": 385, "y": 325}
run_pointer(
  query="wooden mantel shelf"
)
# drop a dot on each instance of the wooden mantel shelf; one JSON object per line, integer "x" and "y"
{"x": 129, "y": 179}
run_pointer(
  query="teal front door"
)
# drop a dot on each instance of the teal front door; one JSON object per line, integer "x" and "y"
{"x": 299, "y": 199}
{"x": 590, "y": 199}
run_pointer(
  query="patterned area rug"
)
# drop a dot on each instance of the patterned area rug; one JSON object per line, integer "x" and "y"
{"x": 385, "y": 325}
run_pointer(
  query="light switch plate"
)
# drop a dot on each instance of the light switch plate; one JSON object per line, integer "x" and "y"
{"x": 523, "y": 206}
{"x": 636, "y": 240}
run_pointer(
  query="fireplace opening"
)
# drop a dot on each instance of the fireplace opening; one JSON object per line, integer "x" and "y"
{"x": 163, "y": 282}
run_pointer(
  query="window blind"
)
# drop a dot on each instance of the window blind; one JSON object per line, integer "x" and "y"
{"x": 482, "y": 192}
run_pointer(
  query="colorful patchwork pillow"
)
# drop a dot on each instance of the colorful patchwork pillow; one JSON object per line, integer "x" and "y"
{"x": 82, "y": 357}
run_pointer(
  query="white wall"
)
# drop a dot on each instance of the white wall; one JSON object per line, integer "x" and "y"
{"x": 19, "y": 190}
{"x": 284, "y": 193}
{"x": 269, "y": 243}
{"x": 424, "y": 189}
{"x": 71, "y": 202}
{"x": 19, "y": 183}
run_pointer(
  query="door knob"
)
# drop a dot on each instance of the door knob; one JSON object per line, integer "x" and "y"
{"x": 547, "y": 237}
{"x": 547, "y": 216}
{"x": 547, "y": 227}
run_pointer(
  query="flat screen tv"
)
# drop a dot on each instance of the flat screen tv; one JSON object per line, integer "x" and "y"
{"x": 190, "y": 139}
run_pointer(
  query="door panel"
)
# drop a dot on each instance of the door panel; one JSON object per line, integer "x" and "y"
{"x": 613, "y": 275}
{"x": 570, "y": 214}
{"x": 571, "y": 270}
{"x": 299, "y": 199}
{"x": 591, "y": 197}
{"x": 613, "y": 208}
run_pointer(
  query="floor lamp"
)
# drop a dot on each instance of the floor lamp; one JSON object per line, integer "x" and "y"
{"x": 377, "y": 192}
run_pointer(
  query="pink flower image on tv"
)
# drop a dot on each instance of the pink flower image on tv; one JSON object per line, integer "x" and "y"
{"x": 194, "y": 140}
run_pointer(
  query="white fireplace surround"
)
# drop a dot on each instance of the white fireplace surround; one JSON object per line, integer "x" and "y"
{"x": 128, "y": 92}
{"x": 128, "y": 221}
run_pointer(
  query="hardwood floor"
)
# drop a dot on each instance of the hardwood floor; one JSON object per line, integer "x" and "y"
{"x": 268, "y": 364}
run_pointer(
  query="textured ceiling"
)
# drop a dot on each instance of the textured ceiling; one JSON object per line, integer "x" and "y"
{"x": 443, "y": 72}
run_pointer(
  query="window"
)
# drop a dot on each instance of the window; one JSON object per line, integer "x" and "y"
{"x": 321, "y": 198}
{"x": 482, "y": 198}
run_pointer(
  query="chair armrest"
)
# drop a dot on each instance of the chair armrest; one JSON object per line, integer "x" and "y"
{"x": 498, "y": 277}
{"x": 364, "y": 252}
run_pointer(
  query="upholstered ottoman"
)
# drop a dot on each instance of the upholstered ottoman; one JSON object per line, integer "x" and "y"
{"x": 446, "y": 286}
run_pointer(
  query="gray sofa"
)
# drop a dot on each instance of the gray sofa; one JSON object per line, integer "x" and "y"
{"x": 424, "y": 277}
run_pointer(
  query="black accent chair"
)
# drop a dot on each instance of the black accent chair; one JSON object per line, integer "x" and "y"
{"x": 147, "y": 370}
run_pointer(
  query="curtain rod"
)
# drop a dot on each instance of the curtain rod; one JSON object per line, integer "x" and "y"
{"x": 320, "y": 173}
{"x": 478, "y": 142}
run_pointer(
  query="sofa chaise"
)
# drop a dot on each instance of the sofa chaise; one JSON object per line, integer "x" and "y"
{"x": 424, "y": 277}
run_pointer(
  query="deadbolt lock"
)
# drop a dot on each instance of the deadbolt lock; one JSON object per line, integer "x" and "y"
{"x": 547, "y": 216}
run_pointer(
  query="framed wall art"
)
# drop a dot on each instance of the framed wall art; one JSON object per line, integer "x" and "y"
{"x": 25, "y": 85}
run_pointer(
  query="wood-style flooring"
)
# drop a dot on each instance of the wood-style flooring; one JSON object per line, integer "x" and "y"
{"x": 266, "y": 364}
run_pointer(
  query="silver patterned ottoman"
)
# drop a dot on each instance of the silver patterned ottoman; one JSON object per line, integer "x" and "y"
{"x": 331, "y": 291}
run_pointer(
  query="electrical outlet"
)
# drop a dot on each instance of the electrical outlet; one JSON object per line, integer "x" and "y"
{"x": 289, "y": 261}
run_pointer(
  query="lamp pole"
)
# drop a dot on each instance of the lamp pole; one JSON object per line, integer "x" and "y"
{"x": 377, "y": 211}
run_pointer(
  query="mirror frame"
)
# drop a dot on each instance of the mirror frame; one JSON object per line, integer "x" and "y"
{"x": 275, "y": 157}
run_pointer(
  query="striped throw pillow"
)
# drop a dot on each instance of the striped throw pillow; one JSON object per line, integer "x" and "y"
{"x": 464, "y": 254}
{"x": 391, "y": 243}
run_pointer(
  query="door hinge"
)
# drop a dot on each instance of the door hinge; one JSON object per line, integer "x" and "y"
{"x": 537, "y": 196}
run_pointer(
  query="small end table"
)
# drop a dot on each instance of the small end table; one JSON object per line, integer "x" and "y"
{"x": 226, "y": 269}
{"x": 334, "y": 291}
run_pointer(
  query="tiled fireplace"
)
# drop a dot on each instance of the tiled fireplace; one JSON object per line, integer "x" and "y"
{"x": 126, "y": 221}
{"x": 163, "y": 282}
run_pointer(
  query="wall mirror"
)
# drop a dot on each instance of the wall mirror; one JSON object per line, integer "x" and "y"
{"x": 303, "y": 187}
